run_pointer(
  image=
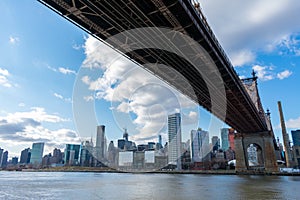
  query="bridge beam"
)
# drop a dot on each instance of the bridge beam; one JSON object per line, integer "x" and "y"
{"x": 266, "y": 156}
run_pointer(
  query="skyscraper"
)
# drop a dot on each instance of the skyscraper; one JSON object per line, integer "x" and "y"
{"x": 200, "y": 145}
{"x": 125, "y": 144}
{"x": 112, "y": 153}
{"x": 37, "y": 153}
{"x": 159, "y": 140}
{"x": 151, "y": 145}
{"x": 296, "y": 147}
{"x": 72, "y": 154}
{"x": 231, "y": 138}
{"x": 14, "y": 160}
{"x": 86, "y": 154}
{"x": 174, "y": 139}
{"x": 121, "y": 144}
{"x": 4, "y": 159}
{"x": 215, "y": 140}
{"x": 225, "y": 138}
{"x": 25, "y": 156}
{"x": 57, "y": 157}
{"x": 100, "y": 143}
{"x": 1, "y": 153}
{"x": 125, "y": 135}
{"x": 296, "y": 137}
{"x": 159, "y": 144}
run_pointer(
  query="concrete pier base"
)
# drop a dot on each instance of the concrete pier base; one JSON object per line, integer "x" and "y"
{"x": 266, "y": 152}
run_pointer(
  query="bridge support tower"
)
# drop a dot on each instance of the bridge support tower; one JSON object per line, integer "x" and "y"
{"x": 265, "y": 152}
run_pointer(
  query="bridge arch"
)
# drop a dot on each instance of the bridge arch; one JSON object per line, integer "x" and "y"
{"x": 255, "y": 156}
{"x": 252, "y": 151}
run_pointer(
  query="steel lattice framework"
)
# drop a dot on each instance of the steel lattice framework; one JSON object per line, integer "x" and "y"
{"x": 106, "y": 18}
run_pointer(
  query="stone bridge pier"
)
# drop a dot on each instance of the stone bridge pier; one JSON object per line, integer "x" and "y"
{"x": 255, "y": 152}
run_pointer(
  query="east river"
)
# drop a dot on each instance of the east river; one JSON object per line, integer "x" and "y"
{"x": 121, "y": 186}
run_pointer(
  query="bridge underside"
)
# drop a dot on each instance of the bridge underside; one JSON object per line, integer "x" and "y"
{"x": 104, "y": 19}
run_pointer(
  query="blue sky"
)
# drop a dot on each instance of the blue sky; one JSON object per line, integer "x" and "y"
{"x": 47, "y": 62}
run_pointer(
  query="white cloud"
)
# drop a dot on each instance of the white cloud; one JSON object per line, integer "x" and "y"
{"x": 255, "y": 25}
{"x": 284, "y": 74}
{"x": 266, "y": 73}
{"x": 242, "y": 57}
{"x": 286, "y": 45}
{"x": 51, "y": 68}
{"x": 190, "y": 118}
{"x": 88, "y": 98}
{"x": 123, "y": 107}
{"x": 4, "y": 81}
{"x": 21, "y": 104}
{"x": 293, "y": 123}
{"x": 37, "y": 113}
{"x": 289, "y": 45}
{"x": 4, "y": 72}
{"x": 86, "y": 80}
{"x": 4, "y": 78}
{"x": 28, "y": 127}
{"x": 13, "y": 40}
{"x": 62, "y": 70}
{"x": 193, "y": 115}
{"x": 242, "y": 77}
{"x": 97, "y": 54}
{"x": 76, "y": 46}
{"x": 261, "y": 15}
{"x": 263, "y": 72}
{"x": 66, "y": 71}
{"x": 59, "y": 96}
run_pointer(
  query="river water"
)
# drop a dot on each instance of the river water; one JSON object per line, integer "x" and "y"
{"x": 119, "y": 186}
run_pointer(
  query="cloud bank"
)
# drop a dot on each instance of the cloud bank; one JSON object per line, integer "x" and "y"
{"x": 28, "y": 127}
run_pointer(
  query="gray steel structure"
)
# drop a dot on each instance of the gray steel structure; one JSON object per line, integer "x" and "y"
{"x": 104, "y": 19}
